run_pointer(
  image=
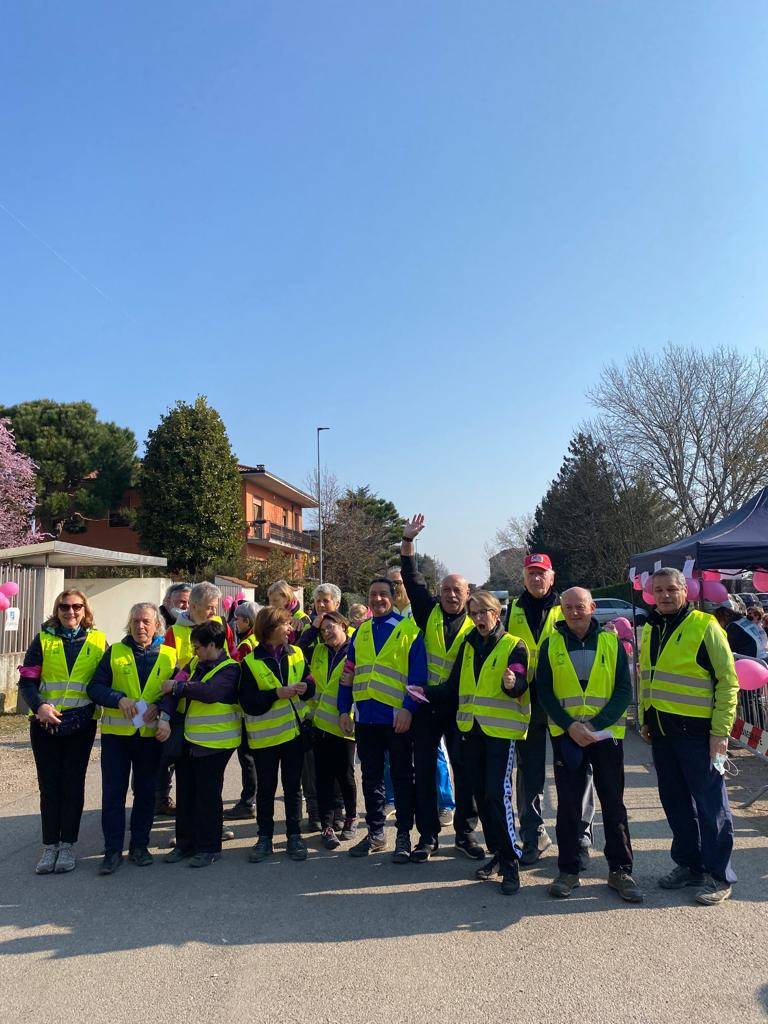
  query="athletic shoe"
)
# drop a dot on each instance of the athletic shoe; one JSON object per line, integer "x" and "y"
{"x": 490, "y": 869}
{"x": 368, "y": 844}
{"x": 261, "y": 850}
{"x": 338, "y": 821}
{"x": 532, "y": 851}
{"x": 445, "y": 816}
{"x": 625, "y": 885}
{"x": 470, "y": 847}
{"x": 66, "y": 860}
{"x": 564, "y": 885}
{"x": 713, "y": 891}
{"x": 423, "y": 851}
{"x": 111, "y": 862}
{"x": 240, "y": 811}
{"x": 681, "y": 876}
{"x": 47, "y": 862}
{"x": 296, "y": 848}
{"x": 402, "y": 853}
{"x": 177, "y": 854}
{"x": 141, "y": 857}
{"x": 510, "y": 877}
{"x": 329, "y": 839}
{"x": 349, "y": 829}
{"x": 204, "y": 860}
{"x": 165, "y": 807}
{"x": 227, "y": 833}
{"x": 390, "y": 812}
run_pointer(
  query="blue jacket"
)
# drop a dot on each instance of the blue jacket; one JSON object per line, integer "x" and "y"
{"x": 100, "y": 687}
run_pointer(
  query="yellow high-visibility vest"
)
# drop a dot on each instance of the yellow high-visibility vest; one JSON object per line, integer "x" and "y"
{"x": 326, "y": 714}
{"x": 676, "y": 683}
{"x": 583, "y": 705}
{"x": 278, "y": 725}
{"x": 125, "y": 677}
{"x": 483, "y": 699}
{"x": 383, "y": 676}
{"x": 59, "y": 686}
{"x": 439, "y": 660}
{"x": 517, "y": 625}
{"x": 217, "y": 725}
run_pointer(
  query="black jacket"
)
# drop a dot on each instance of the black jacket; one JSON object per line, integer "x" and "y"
{"x": 660, "y": 722}
{"x": 422, "y": 601}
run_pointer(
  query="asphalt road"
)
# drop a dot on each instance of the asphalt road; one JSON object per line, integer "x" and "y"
{"x": 342, "y": 940}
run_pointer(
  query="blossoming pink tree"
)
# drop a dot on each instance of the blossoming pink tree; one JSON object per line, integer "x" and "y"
{"x": 17, "y": 493}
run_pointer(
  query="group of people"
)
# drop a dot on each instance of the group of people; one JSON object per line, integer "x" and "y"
{"x": 419, "y": 678}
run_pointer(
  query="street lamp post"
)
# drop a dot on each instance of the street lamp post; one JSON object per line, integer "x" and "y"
{"x": 320, "y": 503}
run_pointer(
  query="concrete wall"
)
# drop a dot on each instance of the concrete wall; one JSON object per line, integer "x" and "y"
{"x": 111, "y": 600}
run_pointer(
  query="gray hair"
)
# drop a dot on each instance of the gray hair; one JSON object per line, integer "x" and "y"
{"x": 247, "y": 610}
{"x": 330, "y": 589}
{"x": 668, "y": 573}
{"x": 204, "y": 593}
{"x": 159, "y": 621}
{"x": 175, "y": 588}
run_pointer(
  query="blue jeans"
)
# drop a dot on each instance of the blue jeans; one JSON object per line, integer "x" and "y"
{"x": 120, "y": 754}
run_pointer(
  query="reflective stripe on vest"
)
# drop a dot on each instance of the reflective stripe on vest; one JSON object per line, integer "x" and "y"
{"x": 59, "y": 686}
{"x": 383, "y": 676}
{"x": 215, "y": 725}
{"x": 439, "y": 660}
{"x": 326, "y": 714}
{"x": 125, "y": 677}
{"x": 582, "y": 704}
{"x": 517, "y": 625}
{"x": 677, "y": 684}
{"x": 278, "y": 725}
{"x": 483, "y": 700}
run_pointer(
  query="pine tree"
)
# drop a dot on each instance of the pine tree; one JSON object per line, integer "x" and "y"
{"x": 191, "y": 506}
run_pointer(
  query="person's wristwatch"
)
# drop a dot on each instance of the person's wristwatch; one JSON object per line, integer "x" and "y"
{"x": 164, "y": 716}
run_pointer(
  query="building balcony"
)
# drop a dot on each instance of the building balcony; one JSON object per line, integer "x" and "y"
{"x": 261, "y": 531}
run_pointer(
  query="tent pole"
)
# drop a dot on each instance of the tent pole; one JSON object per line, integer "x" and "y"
{"x": 636, "y": 673}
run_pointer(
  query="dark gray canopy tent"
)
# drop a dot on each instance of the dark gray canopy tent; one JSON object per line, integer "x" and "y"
{"x": 739, "y": 541}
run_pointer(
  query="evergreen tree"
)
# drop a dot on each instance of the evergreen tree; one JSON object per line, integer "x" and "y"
{"x": 191, "y": 506}
{"x": 83, "y": 465}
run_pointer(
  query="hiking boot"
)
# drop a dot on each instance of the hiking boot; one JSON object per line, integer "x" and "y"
{"x": 47, "y": 862}
{"x": 176, "y": 855}
{"x": 204, "y": 860}
{"x": 713, "y": 891}
{"x": 66, "y": 860}
{"x": 532, "y": 851}
{"x": 349, "y": 829}
{"x": 165, "y": 807}
{"x": 489, "y": 870}
{"x": 296, "y": 848}
{"x": 564, "y": 885}
{"x": 368, "y": 844}
{"x": 112, "y": 861}
{"x": 510, "y": 877}
{"x": 141, "y": 857}
{"x": 470, "y": 847}
{"x": 261, "y": 850}
{"x": 423, "y": 851}
{"x": 445, "y": 817}
{"x": 329, "y": 839}
{"x": 240, "y": 811}
{"x": 402, "y": 853}
{"x": 681, "y": 876}
{"x": 625, "y": 885}
{"x": 227, "y": 833}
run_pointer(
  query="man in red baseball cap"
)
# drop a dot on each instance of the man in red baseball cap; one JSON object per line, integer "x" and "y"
{"x": 532, "y": 617}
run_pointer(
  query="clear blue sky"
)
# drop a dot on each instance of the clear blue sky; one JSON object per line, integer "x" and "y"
{"x": 426, "y": 225}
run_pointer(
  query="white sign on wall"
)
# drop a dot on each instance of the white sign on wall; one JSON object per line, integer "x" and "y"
{"x": 12, "y": 617}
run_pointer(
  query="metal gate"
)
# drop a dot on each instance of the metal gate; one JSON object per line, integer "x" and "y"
{"x": 28, "y": 578}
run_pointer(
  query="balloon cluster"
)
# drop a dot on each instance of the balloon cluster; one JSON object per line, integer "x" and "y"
{"x": 7, "y": 591}
{"x": 706, "y": 586}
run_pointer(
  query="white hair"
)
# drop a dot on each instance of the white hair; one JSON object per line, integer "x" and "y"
{"x": 159, "y": 622}
{"x": 204, "y": 593}
{"x": 330, "y": 589}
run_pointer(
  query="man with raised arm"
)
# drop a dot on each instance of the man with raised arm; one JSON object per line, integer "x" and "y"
{"x": 444, "y": 623}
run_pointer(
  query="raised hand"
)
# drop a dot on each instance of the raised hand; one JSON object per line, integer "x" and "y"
{"x": 414, "y": 526}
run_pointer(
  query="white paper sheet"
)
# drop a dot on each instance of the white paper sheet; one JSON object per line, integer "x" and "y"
{"x": 138, "y": 718}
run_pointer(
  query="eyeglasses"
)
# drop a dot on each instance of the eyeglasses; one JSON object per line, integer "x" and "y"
{"x": 70, "y": 607}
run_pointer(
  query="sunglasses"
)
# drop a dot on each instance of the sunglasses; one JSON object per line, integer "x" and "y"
{"x": 70, "y": 607}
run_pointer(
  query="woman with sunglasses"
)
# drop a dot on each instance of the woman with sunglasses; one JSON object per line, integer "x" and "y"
{"x": 58, "y": 666}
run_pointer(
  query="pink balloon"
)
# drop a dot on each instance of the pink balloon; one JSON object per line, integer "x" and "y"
{"x": 4, "y": 603}
{"x": 240, "y": 595}
{"x": 649, "y": 598}
{"x": 694, "y": 589}
{"x": 752, "y": 675}
{"x": 10, "y": 589}
{"x": 710, "y": 575}
{"x": 714, "y": 592}
{"x": 227, "y": 602}
{"x": 636, "y": 584}
{"x": 760, "y": 581}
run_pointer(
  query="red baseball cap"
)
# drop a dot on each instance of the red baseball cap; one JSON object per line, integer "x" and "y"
{"x": 537, "y": 562}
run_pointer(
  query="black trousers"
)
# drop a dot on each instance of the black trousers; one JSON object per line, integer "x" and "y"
{"x": 373, "y": 742}
{"x": 288, "y": 759}
{"x": 199, "y": 810}
{"x": 120, "y": 754}
{"x": 607, "y": 762}
{"x": 247, "y": 771}
{"x": 428, "y": 729}
{"x": 61, "y": 762}
{"x": 334, "y": 768}
{"x": 490, "y": 762}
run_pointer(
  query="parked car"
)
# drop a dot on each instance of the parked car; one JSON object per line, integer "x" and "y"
{"x": 612, "y": 607}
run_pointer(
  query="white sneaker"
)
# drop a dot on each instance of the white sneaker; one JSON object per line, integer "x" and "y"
{"x": 66, "y": 860}
{"x": 47, "y": 862}
{"x": 446, "y": 816}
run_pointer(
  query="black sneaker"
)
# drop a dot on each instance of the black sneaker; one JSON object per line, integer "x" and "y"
{"x": 177, "y": 854}
{"x": 112, "y": 861}
{"x": 141, "y": 857}
{"x": 349, "y": 829}
{"x": 329, "y": 839}
{"x": 296, "y": 848}
{"x": 423, "y": 851}
{"x": 402, "y": 854}
{"x": 532, "y": 851}
{"x": 165, "y": 807}
{"x": 681, "y": 876}
{"x": 470, "y": 847}
{"x": 240, "y": 811}
{"x": 489, "y": 870}
{"x": 510, "y": 877}
{"x": 368, "y": 844}
{"x": 261, "y": 850}
{"x": 204, "y": 860}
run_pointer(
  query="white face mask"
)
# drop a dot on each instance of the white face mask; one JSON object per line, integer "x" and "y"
{"x": 724, "y": 765}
